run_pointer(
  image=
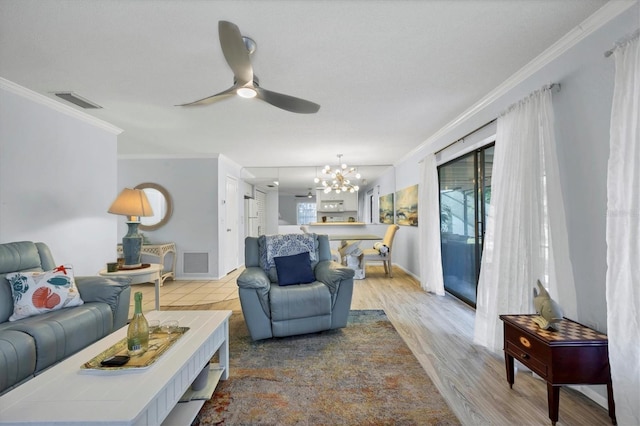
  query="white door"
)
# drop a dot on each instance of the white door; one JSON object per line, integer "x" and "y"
{"x": 231, "y": 226}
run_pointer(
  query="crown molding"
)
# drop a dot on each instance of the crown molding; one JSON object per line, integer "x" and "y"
{"x": 12, "y": 87}
{"x": 167, "y": 156}
{"x": 599, "y": 18}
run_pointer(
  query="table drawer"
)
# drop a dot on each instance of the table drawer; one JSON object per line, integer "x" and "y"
{"x": 527, "y": 359}
{"x": 527, "y": 350}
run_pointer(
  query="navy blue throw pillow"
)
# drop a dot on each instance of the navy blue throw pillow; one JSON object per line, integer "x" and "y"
{"x": 295, "y": 269}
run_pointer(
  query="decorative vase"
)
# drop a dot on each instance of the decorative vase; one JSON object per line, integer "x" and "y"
{"x": 132, "y": 246}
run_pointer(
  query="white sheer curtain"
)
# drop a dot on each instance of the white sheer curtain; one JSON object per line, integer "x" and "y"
{"x": 623, "y": 235}
{"x": 526, "y": 238}
{"x": 429, "y": 219}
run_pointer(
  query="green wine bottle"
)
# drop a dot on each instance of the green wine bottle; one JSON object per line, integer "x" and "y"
{"x": 138, "y": 331}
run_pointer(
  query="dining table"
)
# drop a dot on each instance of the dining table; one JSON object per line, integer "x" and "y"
{"x": 354, "y": 237}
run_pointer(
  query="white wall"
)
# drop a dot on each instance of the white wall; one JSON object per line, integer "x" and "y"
{"x": 197, "y": 187}
{"x": 57, "y": 178}
{"x": 271, "y": 207}
{"x": 288, "y": 209}
{"x": 405, "y": 244}
{"x": 193, "y": 186}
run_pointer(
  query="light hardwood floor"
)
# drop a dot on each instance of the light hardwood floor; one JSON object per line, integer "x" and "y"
{"x": 439, "y": 331}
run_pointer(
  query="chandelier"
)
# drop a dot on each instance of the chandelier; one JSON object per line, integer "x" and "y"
{"x": 338, "y": 179}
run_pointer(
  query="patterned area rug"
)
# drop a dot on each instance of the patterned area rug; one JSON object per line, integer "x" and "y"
{"x": 363, "y": 374}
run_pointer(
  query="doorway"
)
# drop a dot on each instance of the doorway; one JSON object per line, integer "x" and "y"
{"x": 465, "y": 192}
{"x": 231, "y": 235}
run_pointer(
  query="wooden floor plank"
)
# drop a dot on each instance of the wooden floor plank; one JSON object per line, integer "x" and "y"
{"x": 439, "y": 331}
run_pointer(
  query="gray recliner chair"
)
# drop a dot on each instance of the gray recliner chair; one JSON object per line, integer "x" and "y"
{"x": 274, "y": 310}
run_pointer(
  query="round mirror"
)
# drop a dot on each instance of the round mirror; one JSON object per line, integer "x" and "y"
{"x": 161, "y": 205}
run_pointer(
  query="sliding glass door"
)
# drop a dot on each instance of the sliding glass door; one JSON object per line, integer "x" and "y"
{"x": 465, "y": 191}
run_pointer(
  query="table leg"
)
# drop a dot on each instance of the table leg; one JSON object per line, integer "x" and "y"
{"x": 553, "y": 399}
{"x": 612, "y": 404}
{"x": 223, "y": 352}
{"x": 508, "y": 362}
{"x": 157, "y": 282}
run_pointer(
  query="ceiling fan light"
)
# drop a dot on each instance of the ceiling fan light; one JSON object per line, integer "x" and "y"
{"x": 246, "y": 92}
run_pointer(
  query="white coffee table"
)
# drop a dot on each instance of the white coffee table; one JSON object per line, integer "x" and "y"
{"x": 67, "y": 395}
{"x": 153, "y": 273}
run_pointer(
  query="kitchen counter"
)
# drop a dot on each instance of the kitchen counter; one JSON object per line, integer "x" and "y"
{"x": 337, "y": 224}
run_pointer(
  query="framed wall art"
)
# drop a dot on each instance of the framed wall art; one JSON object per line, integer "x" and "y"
{"x": 386, "y": 209}
{"x": 407, "y": 206}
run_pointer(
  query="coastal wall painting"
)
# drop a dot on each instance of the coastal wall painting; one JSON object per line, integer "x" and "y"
{"x": 386, "y": 209}
{"x": 407, "y": 206}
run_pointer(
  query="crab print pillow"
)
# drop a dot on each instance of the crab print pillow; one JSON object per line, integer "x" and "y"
{"x": 35, "y": 293}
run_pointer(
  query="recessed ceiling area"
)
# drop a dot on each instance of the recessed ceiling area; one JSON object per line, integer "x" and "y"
{"x": 299, "y": 180}
{"x": 388, "y": 74}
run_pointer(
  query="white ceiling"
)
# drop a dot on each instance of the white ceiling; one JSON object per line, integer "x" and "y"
{"x": 387, "y": 74}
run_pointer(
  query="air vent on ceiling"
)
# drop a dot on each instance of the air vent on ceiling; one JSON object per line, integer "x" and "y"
{"x": 77, "y": 100}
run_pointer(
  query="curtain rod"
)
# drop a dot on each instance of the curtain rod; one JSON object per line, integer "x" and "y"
{"x": 552, "y": 86}
{"x": 621, "y": 42}
{"x": 462, "y": 138}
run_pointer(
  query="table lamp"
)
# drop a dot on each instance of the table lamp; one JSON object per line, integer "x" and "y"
{"x": 132, "y": 203}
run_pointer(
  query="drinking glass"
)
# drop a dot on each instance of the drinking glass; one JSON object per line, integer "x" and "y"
{"x": 169, "y": 327}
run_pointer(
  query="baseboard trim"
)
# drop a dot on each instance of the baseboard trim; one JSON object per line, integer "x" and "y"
{"x": 592, "y": 394}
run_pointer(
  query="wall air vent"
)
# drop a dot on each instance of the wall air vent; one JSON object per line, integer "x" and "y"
{"x": 77, "y": 100}
{"x": 195, "y": 263}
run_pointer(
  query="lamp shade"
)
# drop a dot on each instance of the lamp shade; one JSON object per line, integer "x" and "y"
{"x": 131, "y": 202}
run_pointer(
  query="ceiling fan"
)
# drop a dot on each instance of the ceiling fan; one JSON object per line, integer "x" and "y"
{"x": 307, "y": 195}
{"x": 237, "y": 50}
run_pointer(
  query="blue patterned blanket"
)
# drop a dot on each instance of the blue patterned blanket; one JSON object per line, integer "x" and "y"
{"x": 285, "y": 245}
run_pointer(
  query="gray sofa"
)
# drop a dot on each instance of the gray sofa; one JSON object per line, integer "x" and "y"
{"x": 271, "y": 310}
{"x": 30, "y": 345}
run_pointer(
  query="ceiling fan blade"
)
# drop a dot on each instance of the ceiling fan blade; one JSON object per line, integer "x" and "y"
{"x": 213, "y": 98}
{"x": 286, "y": 102}
{"x": 235, "y": 52}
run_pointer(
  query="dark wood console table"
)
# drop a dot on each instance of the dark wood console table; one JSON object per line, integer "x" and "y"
{"x": 574, "y": 354}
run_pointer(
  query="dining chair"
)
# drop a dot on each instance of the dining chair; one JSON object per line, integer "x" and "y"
{"x": 374, "y": 255}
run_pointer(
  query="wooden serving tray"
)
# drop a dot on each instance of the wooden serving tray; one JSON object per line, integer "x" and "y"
{"x": 159, "y": 342}
{"x": 143, "y": 266}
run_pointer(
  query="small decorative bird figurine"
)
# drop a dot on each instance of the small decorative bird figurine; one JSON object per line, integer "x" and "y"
{"x": 382, "y": 248}
{"x": 548, "y": 310}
